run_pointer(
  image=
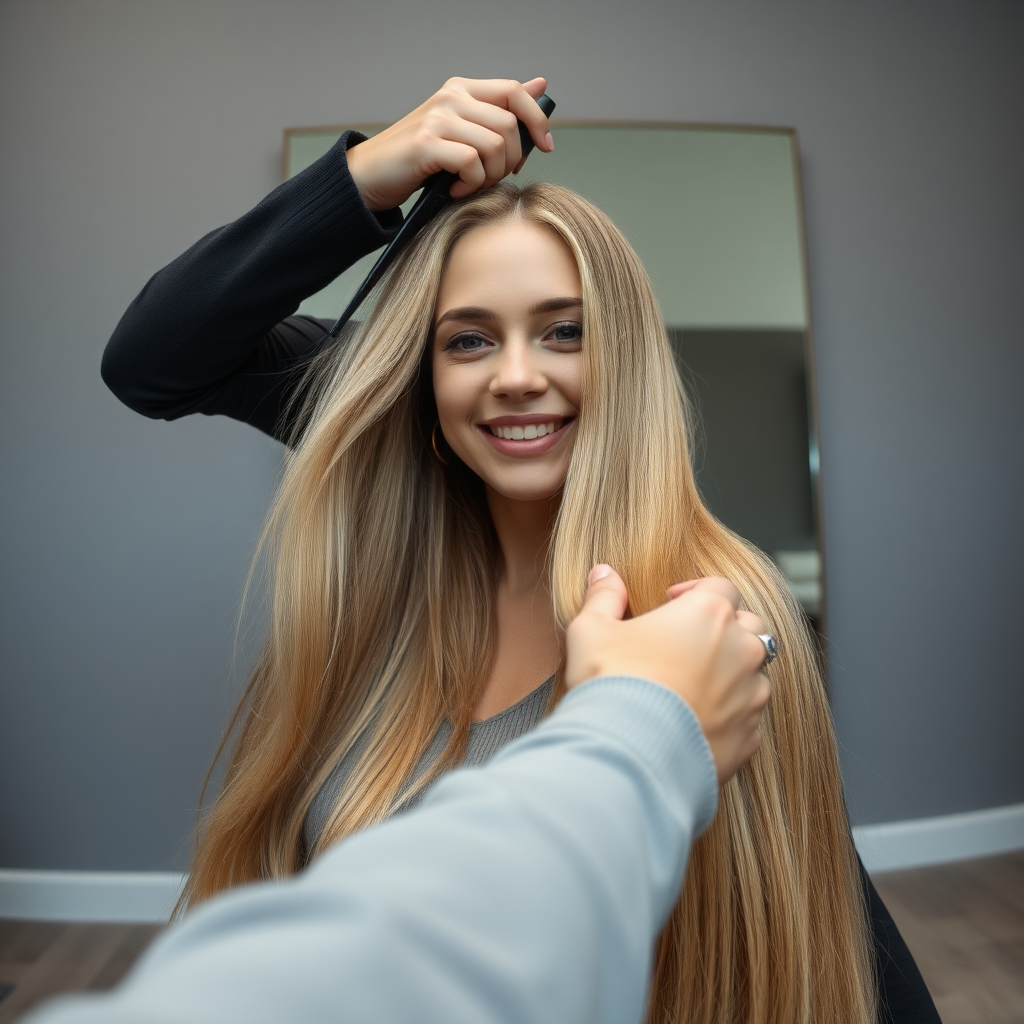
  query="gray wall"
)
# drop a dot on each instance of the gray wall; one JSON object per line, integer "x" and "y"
{"x": 130, "y": 128}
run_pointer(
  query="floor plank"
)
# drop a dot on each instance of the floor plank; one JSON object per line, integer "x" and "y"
{"x": 23, "y": 942}
{"x": 133, "y": 943}
{"x": 964, "y": 923}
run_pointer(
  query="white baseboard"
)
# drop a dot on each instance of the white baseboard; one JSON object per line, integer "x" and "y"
{"x": 150, "y": 895}
{"x": 896, "y": 845}
{"x": 88, "y": 895}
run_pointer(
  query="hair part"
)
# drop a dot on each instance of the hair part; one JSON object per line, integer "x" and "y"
{"x": 382, "y": 624}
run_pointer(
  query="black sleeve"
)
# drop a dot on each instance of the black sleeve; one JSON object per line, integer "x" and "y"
{"x": 903, "y": 997}
{"x": 214, "y": 331}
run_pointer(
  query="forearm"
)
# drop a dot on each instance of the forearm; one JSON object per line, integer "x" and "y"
{"x": 527, "y": 891}
{"x": 212, "y": 314}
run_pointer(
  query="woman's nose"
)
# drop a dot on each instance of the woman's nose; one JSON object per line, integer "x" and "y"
{"x": 518, "y": 374}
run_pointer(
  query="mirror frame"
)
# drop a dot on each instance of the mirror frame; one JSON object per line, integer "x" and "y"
{"x": 820, "y": 620}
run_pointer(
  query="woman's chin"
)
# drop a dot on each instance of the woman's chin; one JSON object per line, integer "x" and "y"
{"x": 518, "y": 479}
{"x": 525, "y": 494}
{"x": 526, "y": 484}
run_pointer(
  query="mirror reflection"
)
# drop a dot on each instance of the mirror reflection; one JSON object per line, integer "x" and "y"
{"x": 717, "y": 221}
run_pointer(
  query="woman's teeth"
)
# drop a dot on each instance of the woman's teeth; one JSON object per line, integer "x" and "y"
{"x": 527, "y": 433}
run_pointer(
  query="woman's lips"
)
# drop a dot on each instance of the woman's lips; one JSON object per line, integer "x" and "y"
{"x": 526, "y": 447}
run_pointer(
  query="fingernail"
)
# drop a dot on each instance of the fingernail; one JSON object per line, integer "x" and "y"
{"x": 598, "y": 573}
{"x": 549, "y": 142}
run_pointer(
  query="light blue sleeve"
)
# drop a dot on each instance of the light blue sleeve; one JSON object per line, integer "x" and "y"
{"x": 526, "y": 891}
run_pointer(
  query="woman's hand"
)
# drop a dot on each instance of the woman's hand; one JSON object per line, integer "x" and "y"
{"x": 696, "y": 645}
{"x": 467, "y": 127}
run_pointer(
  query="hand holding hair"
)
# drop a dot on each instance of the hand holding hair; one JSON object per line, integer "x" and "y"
{"x": 748, "y": 620}
{"x": 696, "y": 645}
{"x": 468, "y": 127}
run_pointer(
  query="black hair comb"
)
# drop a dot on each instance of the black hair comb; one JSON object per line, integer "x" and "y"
{"x": 433, "y": 199}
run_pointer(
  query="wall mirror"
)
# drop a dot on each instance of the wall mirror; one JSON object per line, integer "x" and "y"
{"x": 715, "y": 213}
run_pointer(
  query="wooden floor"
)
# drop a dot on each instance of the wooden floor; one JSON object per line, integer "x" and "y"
{"x": 42, "y": 958}
{"x": 963, "y": 922}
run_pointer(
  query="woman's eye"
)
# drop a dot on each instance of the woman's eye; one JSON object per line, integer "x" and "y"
{"x": 465, "y": 343}
{"x": 567, "y": 333}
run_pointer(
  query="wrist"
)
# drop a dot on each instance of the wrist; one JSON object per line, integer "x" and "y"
{"x": 355, "y": 156}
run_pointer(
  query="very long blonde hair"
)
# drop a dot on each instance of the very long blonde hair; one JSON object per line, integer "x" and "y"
{"x": 382, "y": 624}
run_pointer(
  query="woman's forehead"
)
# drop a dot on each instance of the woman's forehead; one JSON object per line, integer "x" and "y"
{"x": 507, "y": 261}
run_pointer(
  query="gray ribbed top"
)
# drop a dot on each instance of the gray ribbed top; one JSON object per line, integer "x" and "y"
{"x": 486, "y": 738}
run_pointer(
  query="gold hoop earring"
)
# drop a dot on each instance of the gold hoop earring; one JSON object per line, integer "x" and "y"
{"x": 433, "y": 442}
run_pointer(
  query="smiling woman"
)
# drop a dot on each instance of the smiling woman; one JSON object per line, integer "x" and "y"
{"x": 417, "y": 598}
{"x": 427, "y": 560}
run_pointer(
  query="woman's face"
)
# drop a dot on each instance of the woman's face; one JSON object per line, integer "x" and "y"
{"x": 506, "y": 356}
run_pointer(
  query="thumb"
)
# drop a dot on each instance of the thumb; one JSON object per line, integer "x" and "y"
{"x": 606, "y": 593}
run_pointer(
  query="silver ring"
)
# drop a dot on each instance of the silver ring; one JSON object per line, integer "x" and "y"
{"x": 770, "y": 646}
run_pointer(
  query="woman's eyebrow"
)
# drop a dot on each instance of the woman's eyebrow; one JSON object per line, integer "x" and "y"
{"x": 553, "y": 305}
{"x": 465, "y": 313}
{"x": 479, "y": 313}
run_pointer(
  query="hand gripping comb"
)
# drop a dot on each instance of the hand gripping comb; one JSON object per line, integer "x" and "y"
{"x": 433, "y": 199}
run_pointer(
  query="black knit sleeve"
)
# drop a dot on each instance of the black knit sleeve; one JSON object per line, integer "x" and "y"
{"x": 903, "y": 997}
{"x": 214, "y": 331}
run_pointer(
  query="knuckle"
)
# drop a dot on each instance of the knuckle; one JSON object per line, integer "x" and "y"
{"x": 712, "y": 608}
{"x": 720, "y": 608}
{"x": 432, "y": 126}
{"x": 751, "y": 621}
